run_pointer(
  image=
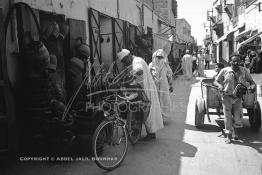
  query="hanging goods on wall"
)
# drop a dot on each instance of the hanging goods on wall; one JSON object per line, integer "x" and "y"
{"x": 83, "y": 51}
{"x": 64, "y": 29}
{"x": 52, "y": 29}
{"x": 37, "y": 58}
{"x": 26, "y": 36}
{"x": 76, "y": 67}
{"x": 34, "y": 96}
{"x": 53, "y": 63}
{"x": 14, "y": 7}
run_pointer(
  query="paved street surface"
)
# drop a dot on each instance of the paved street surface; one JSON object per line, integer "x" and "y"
{"x": 180, "y": 148}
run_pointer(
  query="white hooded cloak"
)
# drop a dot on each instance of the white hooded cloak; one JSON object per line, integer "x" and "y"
{"x": 153, "y": 121}
{"x": 161, "y": 72}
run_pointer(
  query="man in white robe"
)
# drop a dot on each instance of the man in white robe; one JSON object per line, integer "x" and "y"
{"x": 154, "y": 121}
{"x": 187, "y": 63}
{"x": 201, "y": 66}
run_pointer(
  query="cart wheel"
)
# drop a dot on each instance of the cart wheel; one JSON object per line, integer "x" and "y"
{"x": 250, "y": 115}
{"x": 199, "y": 113}
{"x": 255, "y": 117}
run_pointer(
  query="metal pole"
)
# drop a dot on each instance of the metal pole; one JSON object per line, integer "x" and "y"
{"x": 210, "y": 45}
{"x": 211, "y": 32}
{"x": 175, "y": 31}
{"x": 117, "y": 4}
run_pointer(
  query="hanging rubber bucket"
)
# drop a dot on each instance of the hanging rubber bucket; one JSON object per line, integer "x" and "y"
{"x": 37, "y": 59}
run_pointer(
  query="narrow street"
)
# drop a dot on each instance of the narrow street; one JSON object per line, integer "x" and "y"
{"x": 59, "y": 59}
{"x": 180, "y": 148}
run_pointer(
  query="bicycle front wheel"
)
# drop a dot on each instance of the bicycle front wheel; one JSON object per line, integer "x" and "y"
{"x": 109, "y": 145}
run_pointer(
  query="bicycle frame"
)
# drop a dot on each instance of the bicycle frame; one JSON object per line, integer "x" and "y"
{"x": 116, "y": 113}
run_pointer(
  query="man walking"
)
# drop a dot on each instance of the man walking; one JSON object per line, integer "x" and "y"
{"x": 162, "y": 75}
{"x": 187, "y": 62}
{"x": 207, "y": 60}
{"x": 201, "y": 64}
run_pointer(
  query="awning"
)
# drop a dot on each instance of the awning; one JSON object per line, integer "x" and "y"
{"x": 234, "y": 29}
{"x": 227, "y": 35}
{"x": 248, "y": 40}
{"x": 230, "y": 36}
{"x": 244, "y": 33}
{"x": 163, "y": 21}
{"x": 254, "y": 32}
{"x": 224, "y": 37}
{"x": 241, "y": 25}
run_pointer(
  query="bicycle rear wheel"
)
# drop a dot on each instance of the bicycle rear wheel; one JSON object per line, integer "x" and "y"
{"x": 109, "y": 145}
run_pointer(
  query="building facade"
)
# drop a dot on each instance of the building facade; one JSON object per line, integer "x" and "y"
{"x": 179, "y": 28}
{"x": 235, "y": 24}
{"x": 106, "y": 26}
{"x": 183, "y": 31}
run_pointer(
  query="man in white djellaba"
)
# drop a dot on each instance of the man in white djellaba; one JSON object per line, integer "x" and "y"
{"x": 139, "y": 68}
{"x": 187, "y": 63}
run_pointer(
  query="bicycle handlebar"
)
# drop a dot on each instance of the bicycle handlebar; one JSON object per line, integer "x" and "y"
{"x": 117, "y": 96}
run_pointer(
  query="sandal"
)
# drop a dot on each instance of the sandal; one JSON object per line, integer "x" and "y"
{"x": 238, "y": 125}
{"x": 235, "y": 137}
{"x": 234, "y": 134}
{"x": 228, "y": 139}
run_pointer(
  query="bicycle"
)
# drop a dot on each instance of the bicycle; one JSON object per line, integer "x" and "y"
{"x": 110, "y": 138}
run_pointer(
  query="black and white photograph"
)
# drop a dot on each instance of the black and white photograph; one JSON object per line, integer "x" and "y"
{"x": 129, "y": 87}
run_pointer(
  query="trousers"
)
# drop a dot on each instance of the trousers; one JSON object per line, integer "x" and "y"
{"x": 233, "y": 114}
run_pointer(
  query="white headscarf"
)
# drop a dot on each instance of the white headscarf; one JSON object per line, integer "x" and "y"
{"x": 159, "y": 63}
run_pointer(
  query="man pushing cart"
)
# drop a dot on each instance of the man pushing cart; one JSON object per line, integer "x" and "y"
{"x": 239, "y": 91}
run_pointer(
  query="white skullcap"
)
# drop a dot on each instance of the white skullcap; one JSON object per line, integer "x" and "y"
{"x": 160, "y": 52}
{"x": 122, "y": 54}
{"x": 171, "y": 37}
